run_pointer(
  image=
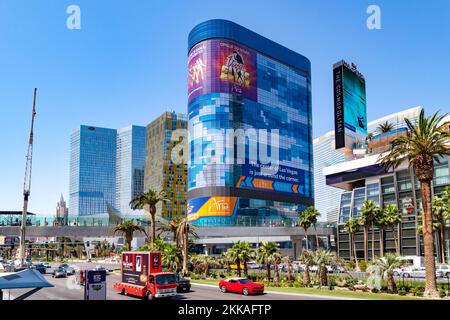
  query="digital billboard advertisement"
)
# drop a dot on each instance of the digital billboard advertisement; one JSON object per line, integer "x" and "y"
{"x": 350, "y": 110}
{"x": 221, "y": 66}
{"x": 135, "y": 268}
{"x": 210, "y": 207}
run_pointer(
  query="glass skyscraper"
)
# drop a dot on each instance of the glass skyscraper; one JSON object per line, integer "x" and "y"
{"x": 250, "y": 141}
{"x": 326, "y": 198}
{"x": 92, "y": 170}
{"x": 131, "y": 144}
{"x": 106, "y": 169}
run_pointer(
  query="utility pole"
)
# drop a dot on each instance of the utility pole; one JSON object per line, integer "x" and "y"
{"x": 27, "y": 184}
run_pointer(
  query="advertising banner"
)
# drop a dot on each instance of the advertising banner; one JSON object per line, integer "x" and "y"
{"x": 135, "y": 267}
{"x": 221, "y": 66}
{"x": 350, "y": 110}
{"x": 211, "y": 207}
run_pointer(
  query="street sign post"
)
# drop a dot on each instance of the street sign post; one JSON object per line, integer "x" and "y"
{"x": 95, "y": 285}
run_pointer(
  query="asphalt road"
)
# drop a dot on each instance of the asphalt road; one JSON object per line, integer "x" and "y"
{"x": 67, "y": 289}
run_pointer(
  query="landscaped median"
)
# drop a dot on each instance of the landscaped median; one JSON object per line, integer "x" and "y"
{"x": 325, "y": 292}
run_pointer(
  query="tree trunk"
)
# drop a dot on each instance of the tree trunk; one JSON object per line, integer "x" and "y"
{"x": 441, "y": 241}
{"x": 394, "y": 234}
{"x": 268, "y": 271}
{"x": 185, "y": 248}
{"x": 277, "y": 273}
{"x": 238, "y": 266}
{"x": 128, "y": 239}
{"x": 381, "y": 242}
{"x": 392, "y": 287}
{"x": 366, "y": 249}
{"x": 323, "y": 276}
{"x": 152, "y": 221}
{"x": 317, "y": 238}
{"x": 245, "y": 269}
{"x": 306, "y": 276}
{"x": 427, "y": 217}
{"x": 306, "y": 237}
{"x": 373, "y": 242}
{"x": 354, "y": 252}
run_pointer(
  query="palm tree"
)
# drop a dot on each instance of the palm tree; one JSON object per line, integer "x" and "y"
{"x": 322, "y": 259}
{"x": 276, "y": 260}
{"x": 305, "y": 221}
{"x": 127, "y": 228}
{"x": 241, "y": 253}
{"x": 425, "y": 142}
{"x": 352, "y": 226}
{"x": 307, "y": 258}
{"x": 382, "y": 224}
{"x": 266, "y": 252}
{"x": 148, "y": 200}
{"x": 203, "y": 262}
{"x": 185, "y": 229}
{"x": 369, "y": 212}
{"x": 441, "y": 212}
{"x": 385, "y": 127}
{"x": 384, "y": 267}
{"x": 313, "y": 215}
{"x": 226, "y": 259}
{"x": 171, "y": 227}
{"x": 392, "y": 218}
{"x": 172, "y": 257}
{"x": 287, "y": 260}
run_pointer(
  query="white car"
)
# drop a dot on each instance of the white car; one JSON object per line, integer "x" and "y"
{"x": 416, "y": 273}
{"x": 443, "y": 271}
{"x": 253, "y": 265}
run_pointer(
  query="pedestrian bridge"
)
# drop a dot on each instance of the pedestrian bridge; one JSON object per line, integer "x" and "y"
{"x": 203, "y": 232}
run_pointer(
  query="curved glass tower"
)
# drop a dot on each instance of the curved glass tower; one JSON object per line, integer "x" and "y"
{"x": 250, "y": 131}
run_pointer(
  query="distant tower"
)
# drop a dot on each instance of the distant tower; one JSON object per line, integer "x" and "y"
{"x": 62, "y": 212}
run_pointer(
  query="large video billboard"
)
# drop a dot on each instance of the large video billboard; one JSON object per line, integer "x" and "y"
{"x": 350, "y": 111}
{"x": 221, "y": 66}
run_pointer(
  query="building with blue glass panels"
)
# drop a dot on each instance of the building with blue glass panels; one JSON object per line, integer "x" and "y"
{"x": 130, "y": 165}
{"x": 106, "y": 169}
{"x": 92, "y": 186}
{"x": 250, "y": 128}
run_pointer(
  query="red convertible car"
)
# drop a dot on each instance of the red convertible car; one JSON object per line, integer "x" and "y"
{"x": 241, "y": 285}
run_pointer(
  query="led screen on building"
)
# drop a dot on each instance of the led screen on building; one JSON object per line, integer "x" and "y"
{"x": 350, "y": 110}
{"x": 221, "y": 66}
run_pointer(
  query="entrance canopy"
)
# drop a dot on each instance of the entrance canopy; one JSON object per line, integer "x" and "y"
{"x": 25, "y": 279}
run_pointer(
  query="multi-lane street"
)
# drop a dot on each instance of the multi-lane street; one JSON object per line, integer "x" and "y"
{"x": 67, "y": 289}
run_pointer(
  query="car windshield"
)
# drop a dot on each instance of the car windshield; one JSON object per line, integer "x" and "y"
{"x": 165, "y": 279}
{"x": 244, "y": 281}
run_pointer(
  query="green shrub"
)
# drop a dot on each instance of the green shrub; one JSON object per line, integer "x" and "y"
{"x": 417, "y": 291}
{"x": 442, "y": 293}
{"x": 374, "y": 290}
{"x": 402, "y": 292}
{"x": 362, "y": 266}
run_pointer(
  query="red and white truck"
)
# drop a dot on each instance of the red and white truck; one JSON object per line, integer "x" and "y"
{"x": 142, "y": 276}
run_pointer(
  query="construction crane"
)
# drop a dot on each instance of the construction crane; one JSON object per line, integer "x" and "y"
{"x": 27, "y": 184}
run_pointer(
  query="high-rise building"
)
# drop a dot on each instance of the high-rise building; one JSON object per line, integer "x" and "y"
{"x": 326, "y": 198}
{"x": 245, "y": 90}
{"x": 162, "y": 172}
{"x": 364, "y": 178}
{"x": 62, "y": 212}
{"x": 92, "y": 170}
{"x": 106, "y": 169}
{"x": 130, "y": 164}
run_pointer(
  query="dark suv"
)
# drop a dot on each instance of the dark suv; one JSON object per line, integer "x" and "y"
{"x": 183, "y": 284}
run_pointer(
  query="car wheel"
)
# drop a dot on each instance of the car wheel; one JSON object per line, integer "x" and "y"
{"x": 245, "y": 291}
{"x": 407, "y": 275}
{"x": 447, "y": 275}
{"x": 223, "y": 289}
{"x": 396, "y": 274}
{"x": 123, "y": 292}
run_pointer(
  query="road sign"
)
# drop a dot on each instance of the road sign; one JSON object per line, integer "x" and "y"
{"x": 95, "y": 285}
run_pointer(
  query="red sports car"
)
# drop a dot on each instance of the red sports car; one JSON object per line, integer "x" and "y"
{"x": 241, "y": 285}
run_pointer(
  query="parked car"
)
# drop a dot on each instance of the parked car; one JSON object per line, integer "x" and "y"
{"x": 70, "y": 271}
{"x": 40, "y": 267}
{"x": 241, "y": 285}
{"x": 253, "y": 265}
{"x": 47, "y": 265}
{"x": 443, "y": 270}
{"x": 416, "y": 273}
{"x": 101, "y": 268}
{"x": 183, "y": 284}
{"x": 80, "y": 276}
{"x": 59, "y": 273}
{"x": 399, "y": 271}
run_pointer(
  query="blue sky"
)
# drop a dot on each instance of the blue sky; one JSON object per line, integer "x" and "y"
{"x": 127, "y": 65}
